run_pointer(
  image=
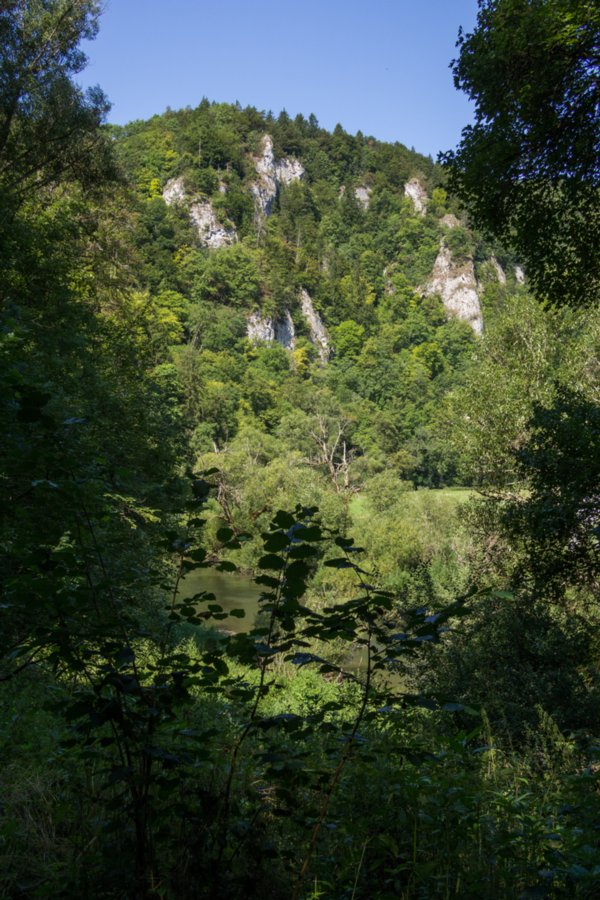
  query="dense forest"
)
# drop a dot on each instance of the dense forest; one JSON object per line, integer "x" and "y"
{"x": 299, "y": 477}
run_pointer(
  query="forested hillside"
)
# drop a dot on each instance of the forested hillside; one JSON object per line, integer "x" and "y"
{"x": 299, "y": 486}
{"x": 337, "y": 248}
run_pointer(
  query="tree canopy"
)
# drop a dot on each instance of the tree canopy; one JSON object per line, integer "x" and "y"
{"x": 179, "y": 414}
{"x": 48, "y": 126}
{"x": 529, "y": 167}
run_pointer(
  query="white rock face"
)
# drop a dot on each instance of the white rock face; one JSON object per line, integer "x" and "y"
{"x": 416, "y": 192}
{"x": 264, "y": 328}
{"x": 316, "y": 329}
{"x": 388, "y": 284}
{"x": 449, "y": 220}
{"x": 519, "y": 275}
{"x": 174, "y": 191}
{"x": 457, "y": 287}
{"x": 498, "y": 270}
{"x": 259, "y": 328}
{"x": 363, "y": 195}
{"x": 211, "y": 231}
{"x": 289, "y": 169}
{"x": 272, "y": 174}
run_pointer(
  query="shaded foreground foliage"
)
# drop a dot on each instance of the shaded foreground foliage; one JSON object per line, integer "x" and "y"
{"x": 528, "y": 167}
{"x": 221, "y": 767}
{"x": 420, "y": 724}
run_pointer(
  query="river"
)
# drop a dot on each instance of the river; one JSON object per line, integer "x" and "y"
{"x": 232, "y": 591}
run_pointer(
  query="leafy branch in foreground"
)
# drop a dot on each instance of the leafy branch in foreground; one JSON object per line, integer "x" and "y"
{"x": 138, "y": 702}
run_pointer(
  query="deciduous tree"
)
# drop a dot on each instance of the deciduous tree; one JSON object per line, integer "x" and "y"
{"x": 529, "y": 167}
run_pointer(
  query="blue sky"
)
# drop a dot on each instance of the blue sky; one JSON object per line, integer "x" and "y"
{"x": 380, "y": 66}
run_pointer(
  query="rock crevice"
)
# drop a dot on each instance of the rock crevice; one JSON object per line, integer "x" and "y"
{"x": 266, "y": 328}
{"x": 316, "y": 329}
{"x": 261, "y": 328}
{"x": 272, "y": 174}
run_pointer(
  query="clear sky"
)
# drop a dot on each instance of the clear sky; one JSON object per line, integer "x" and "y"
{"x": 379, "y": 66}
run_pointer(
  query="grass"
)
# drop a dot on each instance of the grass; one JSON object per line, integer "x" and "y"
{"x": 360, "y": 508}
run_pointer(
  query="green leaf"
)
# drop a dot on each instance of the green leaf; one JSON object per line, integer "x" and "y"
{"x": 302, "y": 552}
{"x": 276, "y": 541}
{"x": 270, "y": 561}
{"x": 340, "y": 563}
{"x": 297, "y": 571}
{"x": 200, "y": 597}
{"x": 309, "y": 533}
{"x": 267, "y": 580}
{"x": 200, "y": 489}
{"x": 283, "y": 519}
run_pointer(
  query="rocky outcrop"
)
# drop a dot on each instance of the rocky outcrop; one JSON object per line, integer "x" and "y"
{"x": 272, "y": 174}
{"x": 415, "y": 191}
{"x": 263, "y": 328}
{"x": 211, "y": 231}
{"x": 259, "y": 328}
{"x": 174, "y": 192}
{"x": 316, "y": 329}
{"x": 457, "y": 286}
{"x": 519, "y": 275}
{"x": 363, "y": 195}
{"x": 449, "y": 220}
{"x": 498, "y": 270}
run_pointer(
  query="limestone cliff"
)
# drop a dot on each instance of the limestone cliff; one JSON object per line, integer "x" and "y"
{"x": 285, "y": 333}
{"x": 316, "y": 329}
{"x": 264, "y": 328}
{"x": 415, "y": 191}
{"x": 271, "y": 174}
{"x": 259, "y": 328}
{"x": 456, "y": 285}
{"x": 211, "y": 231}
{"x": 449, "y": 221}
{"x": 500, "y": 274}
{"x": 174, "y": 192}
{"x": 363, "y": 195}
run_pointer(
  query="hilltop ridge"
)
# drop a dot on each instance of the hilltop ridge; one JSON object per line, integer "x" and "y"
{"x": 339, "y": 204}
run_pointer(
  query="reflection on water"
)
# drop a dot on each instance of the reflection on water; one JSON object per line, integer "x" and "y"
{"x": 231, "y": 592}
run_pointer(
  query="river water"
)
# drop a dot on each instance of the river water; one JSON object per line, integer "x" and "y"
{"x": 232, "y": 591}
